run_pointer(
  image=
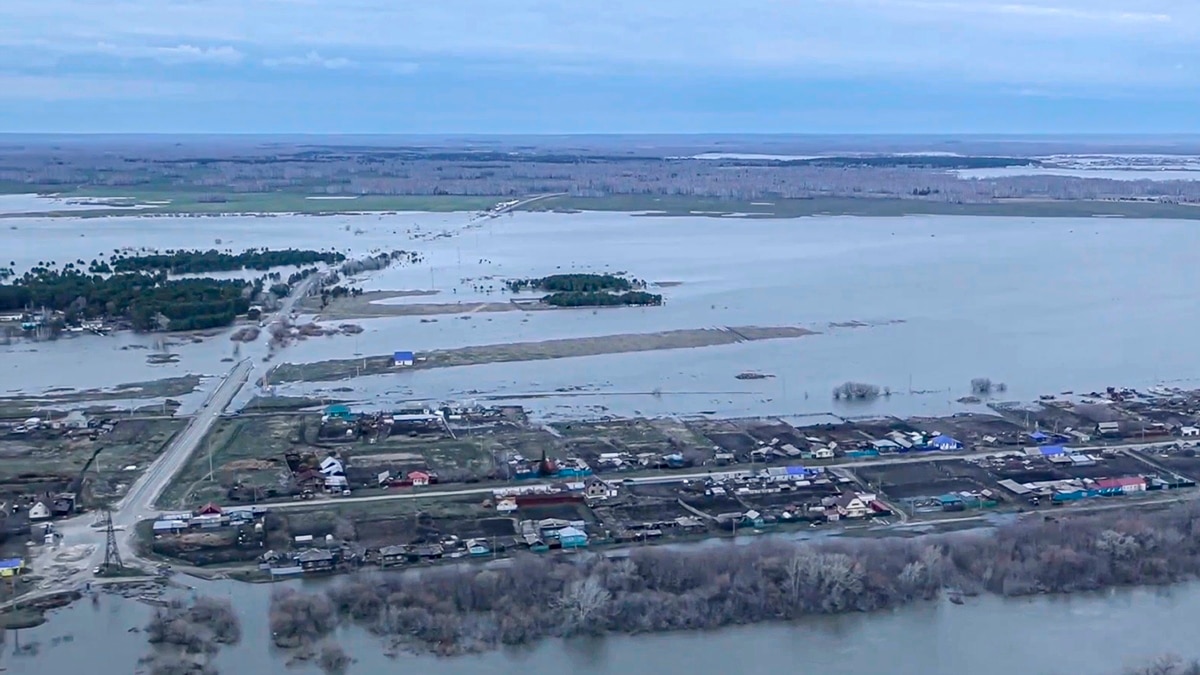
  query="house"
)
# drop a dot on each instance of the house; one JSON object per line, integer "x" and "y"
{"x": 1123, "y": 485}
{"x": 572, "y": 537}
{"x": 944, "y": 442}
{"x": 549, "y": 527}
{"x": 339, "y": 412}
{"x": 952, "y": 502}
{"x": 425, "y": 552}
{"x": 315, "y": 560}
{"x": 851, "y": 506}
{"x": 884, "y": 445}
{"x": 332, "y": 466}
{"x": 392, "y": 555}
{"x": 336, "y": 483}
{"x": 1038, "y": 437}
{"x": 752, "y": 518}
{"x": 478, "y": 547}
{"x": 209, "y": 509}
{"x": 418, "y": 478}
{"x": 63, "y": 504}
{"x": 39, "y": 511}
{"x": 823, "y": 453}
{"x": 507, "y": 505}
{"x": 1188, "y": 432}
{"x": 11, "y": 567}
{"x": 402, "y": 359}
{"x": 598, "y": 490}
{"x": 1109, "y": 428}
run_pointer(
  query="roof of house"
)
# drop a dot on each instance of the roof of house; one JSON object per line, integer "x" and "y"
{"x": 315, "y": 555}
{"x": 12, "y": 564}
{"x": 1123, "y": 481}
{"x": 944, "y": 440}
{"x": 393, "y": 550}
{"x": 403, "y": 356}
{"x": 569, "y": 532}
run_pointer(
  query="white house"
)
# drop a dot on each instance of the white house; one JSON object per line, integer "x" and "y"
{"x": 1190, "y": 431}
{"x": 39, "y": 512}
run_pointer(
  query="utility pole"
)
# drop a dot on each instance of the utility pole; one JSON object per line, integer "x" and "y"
{"x": 112, "y": 555}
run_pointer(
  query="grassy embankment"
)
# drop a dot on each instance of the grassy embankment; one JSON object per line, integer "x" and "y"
{"x": 325, "y": 371}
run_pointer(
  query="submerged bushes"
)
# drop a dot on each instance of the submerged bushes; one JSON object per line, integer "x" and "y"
{"x": 185, "y": 637}
{"x": 453, "y": 610}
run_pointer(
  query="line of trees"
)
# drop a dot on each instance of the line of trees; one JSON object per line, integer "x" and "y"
{"x": 601, "y": 299}
{"x": 463, "y": 609}
{"x": 202, "y": 262}
{"x": 145, "y": 299}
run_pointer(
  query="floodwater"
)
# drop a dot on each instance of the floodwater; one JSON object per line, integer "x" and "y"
{"x": 1043, "y": 305}
{"x": 1110, "y": 174}
{"x": 1098, "y": 633}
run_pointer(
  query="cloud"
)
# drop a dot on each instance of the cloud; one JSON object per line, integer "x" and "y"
{"x": 1014, "y": 42}
{"x": 181, "y": 53}
{"x": 310, "y": 60}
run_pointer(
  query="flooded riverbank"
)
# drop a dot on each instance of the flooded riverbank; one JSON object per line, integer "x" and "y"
{"x": 987, "y": 636}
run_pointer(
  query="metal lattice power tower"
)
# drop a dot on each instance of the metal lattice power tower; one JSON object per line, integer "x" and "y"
{"x": 112, "y": 555}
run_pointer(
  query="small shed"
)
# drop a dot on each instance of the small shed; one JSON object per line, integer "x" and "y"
{"x": 402, "y": 359}
{"x": 418, "y": 478}
{"x": 11, "y": 567}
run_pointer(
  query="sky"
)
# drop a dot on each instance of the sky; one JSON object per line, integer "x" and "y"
{"x": 600, "y": 66}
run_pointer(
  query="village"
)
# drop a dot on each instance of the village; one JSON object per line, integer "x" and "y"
{"x": 341, "y": 489}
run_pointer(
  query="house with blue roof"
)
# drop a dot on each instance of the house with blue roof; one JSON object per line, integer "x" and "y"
{"x": 944, "y": 442}
{"x": 403, "y": 359}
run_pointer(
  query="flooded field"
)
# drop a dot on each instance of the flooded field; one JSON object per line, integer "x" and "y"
{"x": 917, "y": 304}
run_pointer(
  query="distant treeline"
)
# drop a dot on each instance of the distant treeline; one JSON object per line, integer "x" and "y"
{"x": 574, "y": 283}
{"x": 586, "y": 299}
{"x": 465, "y": 608}
{"x": 144, "y": 299}
{"x": 202, "y": 262}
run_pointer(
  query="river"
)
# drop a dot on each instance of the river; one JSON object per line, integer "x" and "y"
{"x": 1095, "y": 633}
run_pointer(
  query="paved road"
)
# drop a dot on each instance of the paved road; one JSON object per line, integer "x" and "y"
{"x": 84, "y": 544}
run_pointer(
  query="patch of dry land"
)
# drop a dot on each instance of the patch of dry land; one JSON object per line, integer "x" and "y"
{"x": 325, "y": 371}
{"x": 367, "y": 306}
